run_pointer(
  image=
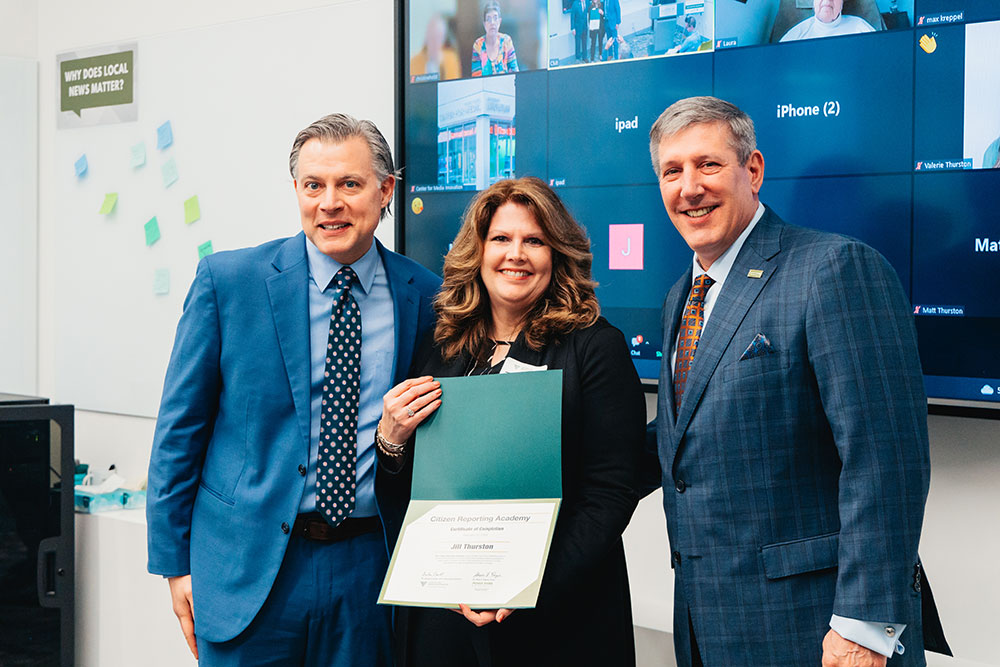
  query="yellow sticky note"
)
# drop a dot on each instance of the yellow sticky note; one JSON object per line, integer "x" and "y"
{"x": 110, "y": 200}
{"x": 192, "y": 210}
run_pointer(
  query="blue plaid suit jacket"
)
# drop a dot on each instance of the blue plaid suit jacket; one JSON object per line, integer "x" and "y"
{"x": 794, "y": 481}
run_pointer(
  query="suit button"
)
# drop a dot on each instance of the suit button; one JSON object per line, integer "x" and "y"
{"x": 302, "y": 470}
{"x": 680, "y": 485}
{"x": 677, "y": 557}
{"x": 284, "y": 528}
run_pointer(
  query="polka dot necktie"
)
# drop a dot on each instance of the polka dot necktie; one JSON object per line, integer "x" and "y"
{"x": 692, "y": 321}
{"x": 338, "y": 430}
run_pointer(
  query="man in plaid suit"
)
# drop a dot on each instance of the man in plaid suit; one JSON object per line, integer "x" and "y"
{"x": 792, "y": 422}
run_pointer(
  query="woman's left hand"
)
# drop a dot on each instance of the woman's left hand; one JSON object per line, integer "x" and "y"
{"x": 484, "y": 617}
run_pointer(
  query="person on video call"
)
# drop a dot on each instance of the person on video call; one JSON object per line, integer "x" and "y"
{"x": 692, "y": 38}
{"x": 791, "y": 435}
{"x": 578, "y": 21}
{"x": 436, "y": 57}
{"x": 493, "y": 53}
{"x": 268, "y": 560}
{"x": 595, "y": 23}
{"x": 991, "y": 158}
{"x": 612, "y": 20}
{"x": 828, "y": 20}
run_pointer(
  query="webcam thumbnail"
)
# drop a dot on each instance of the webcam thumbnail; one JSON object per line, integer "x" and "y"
{"x": 958, "y": 97}
{"x": 596, "y": 31}
{"x": 454, "y": 39}
{"x": 742, "y": 23}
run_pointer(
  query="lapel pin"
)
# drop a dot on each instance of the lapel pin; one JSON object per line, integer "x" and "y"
{"x": 755, "y": 273}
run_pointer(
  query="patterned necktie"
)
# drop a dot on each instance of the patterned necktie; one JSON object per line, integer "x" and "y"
{"x": 338, "y": 430}
{"x": 692, "y": 321}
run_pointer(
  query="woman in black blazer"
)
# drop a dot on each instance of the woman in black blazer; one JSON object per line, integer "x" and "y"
{"x": 517, "y": 286}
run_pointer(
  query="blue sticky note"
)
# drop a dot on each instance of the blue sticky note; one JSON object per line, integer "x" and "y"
{"x": 161, "y": 281}
{"x": 164, "y": 136}
{"x": 169, "y": 171}
{"x": 81, "y": 166}
{"x": 138, "y": 155}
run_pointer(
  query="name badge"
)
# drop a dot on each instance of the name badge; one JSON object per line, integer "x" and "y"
{"x": 512, "y": 365}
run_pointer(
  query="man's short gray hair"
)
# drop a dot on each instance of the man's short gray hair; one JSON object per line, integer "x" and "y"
{"x": 682, "y": 114}
{"x": 338, "y": 127}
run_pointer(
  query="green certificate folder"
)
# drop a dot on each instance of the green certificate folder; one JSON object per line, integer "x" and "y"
{"x": 487, "y": 482}
{"x": 494, "y": 436}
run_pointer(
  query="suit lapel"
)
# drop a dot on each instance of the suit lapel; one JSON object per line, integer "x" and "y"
{"x": 288, "y": 292}
{"x": 739, "y": 292}
{"x": 406, "y": 311}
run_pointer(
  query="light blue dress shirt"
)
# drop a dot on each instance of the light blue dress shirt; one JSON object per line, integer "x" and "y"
{"x": 378, "y": 345}
{"x": 879, "y": 637}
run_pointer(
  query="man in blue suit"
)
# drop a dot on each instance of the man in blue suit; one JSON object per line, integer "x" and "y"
{"x": 791, "y": 422}
{"x": 257, "y": 575}
{"x": 578, "y": 22}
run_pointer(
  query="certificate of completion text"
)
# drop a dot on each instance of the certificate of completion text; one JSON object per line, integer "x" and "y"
{"x": 487, "y": 554}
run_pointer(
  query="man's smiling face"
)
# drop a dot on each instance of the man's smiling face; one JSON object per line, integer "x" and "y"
{"x": 340, "y": 196}
{"x": 709, "y": 196}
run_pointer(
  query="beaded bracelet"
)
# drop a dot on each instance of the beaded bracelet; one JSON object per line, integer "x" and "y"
{"x": 388, "y": 448}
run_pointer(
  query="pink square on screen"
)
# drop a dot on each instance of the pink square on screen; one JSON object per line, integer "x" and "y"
{"x": 625, "y": 247}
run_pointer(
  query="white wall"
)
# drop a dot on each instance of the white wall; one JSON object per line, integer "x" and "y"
{"x": 19, "y": 192}
{"x": 19, "y": 28}
{"x": 64, "y": 25}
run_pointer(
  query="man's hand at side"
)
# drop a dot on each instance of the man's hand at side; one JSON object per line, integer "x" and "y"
{"x": 840, "y": 652}
{"x": 180, "y": 595}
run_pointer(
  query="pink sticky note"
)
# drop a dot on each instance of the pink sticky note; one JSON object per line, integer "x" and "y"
{"x": 625, "y": 247}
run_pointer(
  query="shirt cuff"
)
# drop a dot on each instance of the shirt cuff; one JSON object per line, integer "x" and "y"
{"x": 883, "y": 638}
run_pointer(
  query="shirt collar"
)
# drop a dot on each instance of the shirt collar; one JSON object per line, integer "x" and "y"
{"x": 720, "y": 267}
{"x": 322, "y": 267}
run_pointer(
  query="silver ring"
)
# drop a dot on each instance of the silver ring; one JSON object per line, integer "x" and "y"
{"x": 409, "y": 412}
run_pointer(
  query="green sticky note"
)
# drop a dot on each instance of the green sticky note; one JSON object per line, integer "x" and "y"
{"x": 152, "y": 231}
{"x": 205, "y": 249}
{"x": 161, "y": 281}
{"x": 169, "y": 171}
{"x": 192, "y": 210}
{"x": 110, "y": 200}
{"x": 138, "y": 155}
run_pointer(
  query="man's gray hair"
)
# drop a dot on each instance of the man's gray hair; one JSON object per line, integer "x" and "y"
{"x": 682, "y": 114}
{"x": 338, "y": 127}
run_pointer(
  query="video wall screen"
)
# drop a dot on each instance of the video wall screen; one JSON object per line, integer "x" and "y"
{"x": 879, "y": 119}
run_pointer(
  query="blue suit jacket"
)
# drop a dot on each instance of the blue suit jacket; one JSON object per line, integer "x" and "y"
{"x": 233, "y": 427}
{"x": 578, "y": 17}
{"x": 794, "y": 481}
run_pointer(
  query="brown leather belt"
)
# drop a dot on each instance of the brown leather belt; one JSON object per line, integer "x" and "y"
{"x": 313, "y": 526}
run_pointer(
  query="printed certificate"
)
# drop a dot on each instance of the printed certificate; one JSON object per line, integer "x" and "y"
{"x": 486, "y": 489}
{"x": 487, "y": 554}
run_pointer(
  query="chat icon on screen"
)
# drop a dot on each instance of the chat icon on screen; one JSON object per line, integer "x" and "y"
{"x": 928, "y": 43}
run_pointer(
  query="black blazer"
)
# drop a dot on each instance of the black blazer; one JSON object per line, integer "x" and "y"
{"x": 583, "y": 616}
